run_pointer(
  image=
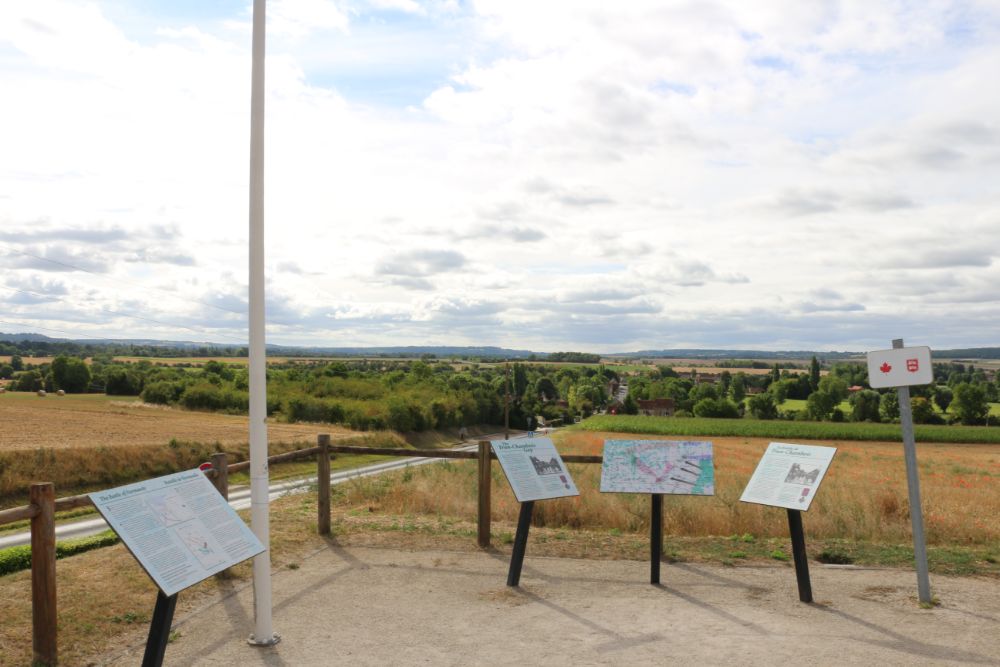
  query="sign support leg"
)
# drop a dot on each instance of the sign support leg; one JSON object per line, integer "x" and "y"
{"x": 520, "y": 543}
{"x": 799, "y": 555}
{"x": 913, "y": 488}
{"x": 655, "y": 537}
{"x": 159, "y": 630}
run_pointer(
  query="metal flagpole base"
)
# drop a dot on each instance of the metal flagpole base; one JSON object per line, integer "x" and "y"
{"x": 275, "y": 638}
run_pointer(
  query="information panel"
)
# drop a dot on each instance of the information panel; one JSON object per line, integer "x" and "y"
{"x": 179, "y": 528}
{"x": 788, "y": 475}
{"x": 658, "y": 466}
{"x": 534, "y": 469}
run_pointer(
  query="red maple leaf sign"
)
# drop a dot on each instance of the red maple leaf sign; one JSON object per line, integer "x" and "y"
{"x": 885, "y": 367}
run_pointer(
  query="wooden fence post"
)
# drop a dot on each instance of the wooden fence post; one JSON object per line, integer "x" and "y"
{"x": 221, "y": 481}
{"x": 485, "y": 494}
{"x": 43, "y": 574}
{"x": 323, "y": 466}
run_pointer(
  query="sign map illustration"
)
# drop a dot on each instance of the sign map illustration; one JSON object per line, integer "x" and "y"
{"x": 658, "y": 466}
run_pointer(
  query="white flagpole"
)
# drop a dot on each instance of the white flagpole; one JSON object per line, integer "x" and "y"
{"x": 259, "y": 518}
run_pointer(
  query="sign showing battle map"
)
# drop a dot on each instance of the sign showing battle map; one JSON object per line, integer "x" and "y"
{"x": 178, "y": 527}
{"x": 658, "y": 466}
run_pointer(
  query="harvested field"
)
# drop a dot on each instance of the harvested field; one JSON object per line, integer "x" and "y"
{"x": 94, "y": 420}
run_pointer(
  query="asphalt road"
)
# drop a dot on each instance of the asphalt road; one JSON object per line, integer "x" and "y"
{"x": 239, "y": 497}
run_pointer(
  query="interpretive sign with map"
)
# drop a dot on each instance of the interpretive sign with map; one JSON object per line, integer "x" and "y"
{"x": 658, "y": 466}
{"x": 534, "y": 469}
{"x": 788, "y": 475}
{"x": 179, "y": 528}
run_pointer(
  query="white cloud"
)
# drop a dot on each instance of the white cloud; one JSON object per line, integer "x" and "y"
{"x": 562, "y": 174}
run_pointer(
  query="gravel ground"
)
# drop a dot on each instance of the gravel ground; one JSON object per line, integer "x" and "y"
{"x": 377, "y": 606}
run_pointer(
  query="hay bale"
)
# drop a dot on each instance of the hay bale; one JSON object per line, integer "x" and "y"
{"x": 60, "y": 393}
{"x": 41, "y": 392}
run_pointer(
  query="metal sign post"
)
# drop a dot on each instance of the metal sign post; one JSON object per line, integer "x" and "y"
{"x": 520, "y": 543}
{"x": 799, "y": 555}
{"x": 918, "y": 364}
{"x": 159, "y": 630}
{"x": 655, "y": 537}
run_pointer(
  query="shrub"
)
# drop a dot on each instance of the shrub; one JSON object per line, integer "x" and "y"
{"x": 162, "y": 392}
{"x": 720, "y": 408}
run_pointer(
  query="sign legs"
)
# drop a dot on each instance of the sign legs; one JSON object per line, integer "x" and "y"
{"x": 159, "y": 630}
{"x": 655, "y": 537}
{"x": 520, "y": 543}
{"x": 799, "y": 555}
{"x": 913, "y": 489}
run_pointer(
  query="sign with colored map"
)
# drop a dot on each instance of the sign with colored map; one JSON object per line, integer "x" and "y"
{"x": 658, "y": 466}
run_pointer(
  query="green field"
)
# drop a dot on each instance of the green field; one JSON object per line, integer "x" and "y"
{"x": 753, "y": 428}
{"x": 800, "y": 405}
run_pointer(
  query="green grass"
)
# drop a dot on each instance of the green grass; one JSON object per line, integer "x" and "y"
{"x": 14, "y": 559}
{"x": 753, "y": 428}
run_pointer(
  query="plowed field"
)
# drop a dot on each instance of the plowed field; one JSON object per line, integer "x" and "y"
{"x": 28, "y": 421}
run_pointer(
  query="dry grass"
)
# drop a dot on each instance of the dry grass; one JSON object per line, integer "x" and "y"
{"x": 864, "y": 496}
{"x": 95, "y": 420}
{"x": 105, "y": 600}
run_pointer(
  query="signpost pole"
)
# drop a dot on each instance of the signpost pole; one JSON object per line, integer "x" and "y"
{"x": 799, "y": 555}
{"x": 520, "y": 543}
{"x": 159, "y": 629}
{"x": 655, "y": 537}
{"x": 913, "y": 487}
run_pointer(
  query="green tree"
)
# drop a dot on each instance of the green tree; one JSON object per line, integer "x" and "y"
{"x": 820, "y": 404}
{"x": 16, "y": 362}
{"x": 889, "y": 405}
{"x": 943, "y": 397}
{"x": 629, "y": 406}
{"x": 835, "y": 386}
{"x": 864, "y": 406}
{"x": 725, "y": 381}
{"x": 814, "y": 373}
{"x": 970, "y": 404}
{"x": 762, "y": 406}
{"x": 719, "y": 408}
{"x": 70, "y": 374}
{"x": 923, "y": 411}
{"x": 27, "y": 381}
{"x": 738, "y": 388}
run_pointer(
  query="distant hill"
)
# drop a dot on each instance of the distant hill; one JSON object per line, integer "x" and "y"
{"x": 693, "y": 353}
{"x": 968, "y": 353}
{"x": 153, "y": 347}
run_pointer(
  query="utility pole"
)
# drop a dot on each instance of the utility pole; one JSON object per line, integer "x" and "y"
{"x": 506, "y": 401}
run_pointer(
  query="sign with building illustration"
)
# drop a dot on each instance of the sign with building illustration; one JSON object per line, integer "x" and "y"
{"x": 900, "y": 367}
{"x": 179, "y": 528}
{"x": 788, "y": 475}
{"x": 658, "y": 466}
{"x": 534, "y": 469}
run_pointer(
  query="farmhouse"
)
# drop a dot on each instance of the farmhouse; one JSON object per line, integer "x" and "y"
{"x": 656, "y": 407}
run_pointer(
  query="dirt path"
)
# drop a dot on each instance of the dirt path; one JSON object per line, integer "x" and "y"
{"x": 372, "y": 606}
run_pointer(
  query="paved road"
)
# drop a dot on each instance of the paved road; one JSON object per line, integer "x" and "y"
{"x": 239, "y": 497}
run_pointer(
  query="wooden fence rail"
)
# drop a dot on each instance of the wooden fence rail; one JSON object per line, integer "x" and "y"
{"x": 43, "y": 506}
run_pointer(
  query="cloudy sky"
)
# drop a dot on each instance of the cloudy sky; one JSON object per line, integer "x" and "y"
{"x": 543, "y": 175}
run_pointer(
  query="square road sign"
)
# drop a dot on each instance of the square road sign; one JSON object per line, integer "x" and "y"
{"x": 900, "y": 367}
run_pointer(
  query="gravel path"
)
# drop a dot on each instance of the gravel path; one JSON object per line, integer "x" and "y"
{"x": 376, "y": 606}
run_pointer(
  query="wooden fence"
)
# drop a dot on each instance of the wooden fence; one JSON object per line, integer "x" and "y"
{"x": 43, "y": 506}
